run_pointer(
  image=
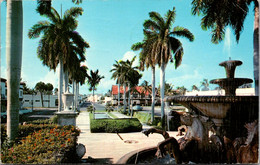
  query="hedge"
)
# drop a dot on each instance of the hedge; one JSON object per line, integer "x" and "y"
{"x": 119, "y": 125}
{"x": 41, "y": 144}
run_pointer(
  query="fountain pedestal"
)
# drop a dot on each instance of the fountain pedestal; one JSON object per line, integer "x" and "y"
{"x": 67, "y": 116}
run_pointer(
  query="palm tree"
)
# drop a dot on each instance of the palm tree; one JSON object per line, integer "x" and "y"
{"x": 14, "y": 42}
{"x": 78, "y": 77}
{"x": 93, "y": 80}
{"x": 182, "y": 90}
{"x": 218, "y": 14}
{"x": 166, "y": 47}
{"x": 194, "y": 87}
{"x": 147, "y": 59}
{"x": 60, "y": 43}
{"x": 205, "y": 85}
{"x": 40, "y": 87}
{"x": 146, "y": 88}
{"x": 124, "y": 72}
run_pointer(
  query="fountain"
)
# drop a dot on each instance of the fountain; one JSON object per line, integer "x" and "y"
{"x": 230, "y": 112}
{"x": 220, "y": 129}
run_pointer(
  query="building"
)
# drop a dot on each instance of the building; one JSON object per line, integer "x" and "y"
{"x": 239, "y": 92}
{"x": 4, "y": 89}
{"x": 137, "y": 96}
{"x": 47, "y": 101}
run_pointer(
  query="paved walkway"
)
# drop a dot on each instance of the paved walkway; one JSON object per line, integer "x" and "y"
{"x": 109, "y": 147}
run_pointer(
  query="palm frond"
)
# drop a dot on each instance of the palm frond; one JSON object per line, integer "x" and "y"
{"x": 182, "y": 32}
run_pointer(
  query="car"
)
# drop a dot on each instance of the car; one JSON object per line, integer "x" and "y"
{"x": 137, "y": 108}
{"x": 85, "y": 104}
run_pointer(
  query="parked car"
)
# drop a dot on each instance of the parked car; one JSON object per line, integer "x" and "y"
{"x": 85, "y": 105}
{"x": 137, "y": 108}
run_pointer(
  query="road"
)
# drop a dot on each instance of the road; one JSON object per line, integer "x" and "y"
{"x": 147, "y": 109}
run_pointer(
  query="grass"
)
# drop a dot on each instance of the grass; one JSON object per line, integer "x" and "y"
{"x": 117, "y": 125}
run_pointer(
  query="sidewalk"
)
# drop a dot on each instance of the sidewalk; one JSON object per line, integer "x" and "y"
{"x": 109, "y": 147}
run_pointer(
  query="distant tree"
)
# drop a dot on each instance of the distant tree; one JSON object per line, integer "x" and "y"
{"x": 205, "y": 85}
{"x": 182, "y": 90}
{"x": 93, "y": 80}
{"x": 249, "y": 85}
{"x": 27, "y": 90}
{"x": 49, "y": 88}
{"x": 56, "y": 91}
{"x": 146, "y": 88}
{"x": 194, "y": 88}
{"x": 40, "y": 87}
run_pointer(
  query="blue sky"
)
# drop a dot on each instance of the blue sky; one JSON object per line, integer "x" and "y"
{"x": 112, "y": 26}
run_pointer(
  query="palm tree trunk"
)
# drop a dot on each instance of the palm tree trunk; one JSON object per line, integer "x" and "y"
{"x": 124, "y": 85}
{"x": 129, "y": 95}
{"x": 60, "y": 85}
{"x": 42, "y": 99}
{"x": 118, "y": 95}
{"x": 162, "y": 84}
{"x": 93, "y": 89}
{"x": 77, "y": 93}
{"x": 14, "y": 43}
{"x": 256, "y": 48}
{"x": 153, "y": 94}
{"x": 66, "y": 81}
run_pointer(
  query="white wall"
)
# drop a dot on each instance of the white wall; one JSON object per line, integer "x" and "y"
{"x": 48, "y": 100}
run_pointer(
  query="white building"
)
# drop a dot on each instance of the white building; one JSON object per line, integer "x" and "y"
{"x": 49, "y": 101}
{"x": 4, "y": 89}
{"x": 239, "y": 92}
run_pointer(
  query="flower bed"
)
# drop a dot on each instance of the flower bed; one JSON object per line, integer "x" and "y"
{"x": 114, "y": 125}
{"x": 42, "y": 144}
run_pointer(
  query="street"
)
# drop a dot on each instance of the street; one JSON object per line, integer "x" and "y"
{"x": 147, "y": 109}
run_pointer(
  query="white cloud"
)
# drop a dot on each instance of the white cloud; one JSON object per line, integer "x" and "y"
{"x": 129, "y": 55}
{"x": 106, "y": 84}
{"x": 51, "y": 77}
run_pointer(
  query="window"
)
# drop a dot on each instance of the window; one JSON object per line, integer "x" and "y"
{"x": 26, "y": 100}
{"x": 37, "y": 100}
{"x": 56, "y": 102}
{"x": 46, "y": 101}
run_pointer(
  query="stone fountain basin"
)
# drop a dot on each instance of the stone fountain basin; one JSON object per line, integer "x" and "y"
{"x": 134, "y": 156}
{"x": 218, "y": 106}
{"x": 235, "y": 82}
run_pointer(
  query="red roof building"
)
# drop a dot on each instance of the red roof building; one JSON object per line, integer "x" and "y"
{"x": 139, "y": 89}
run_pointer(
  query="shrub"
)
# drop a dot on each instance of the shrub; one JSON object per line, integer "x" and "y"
{"x": 90, "y": 108}
{"x": 45, "y": 146}
{"x": 146, "y": 118}
{"x": 122, "y": 125}
{"x": 109, "y": 107}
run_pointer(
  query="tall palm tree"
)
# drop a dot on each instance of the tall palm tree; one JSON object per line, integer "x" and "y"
{"x": 78, "y": 77}
{"x": 147, "y": 59}
{"x": 146, "y": 88}
{"x": 166, "y": 46}
{"x": 132, "y": 77}
{"x": 123, "y": 72}
{"x": 60, "y": 43}
{"x": 93, "y": 80}
{"x": 14, "y": 42}
{"x": 218, "y": 14}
